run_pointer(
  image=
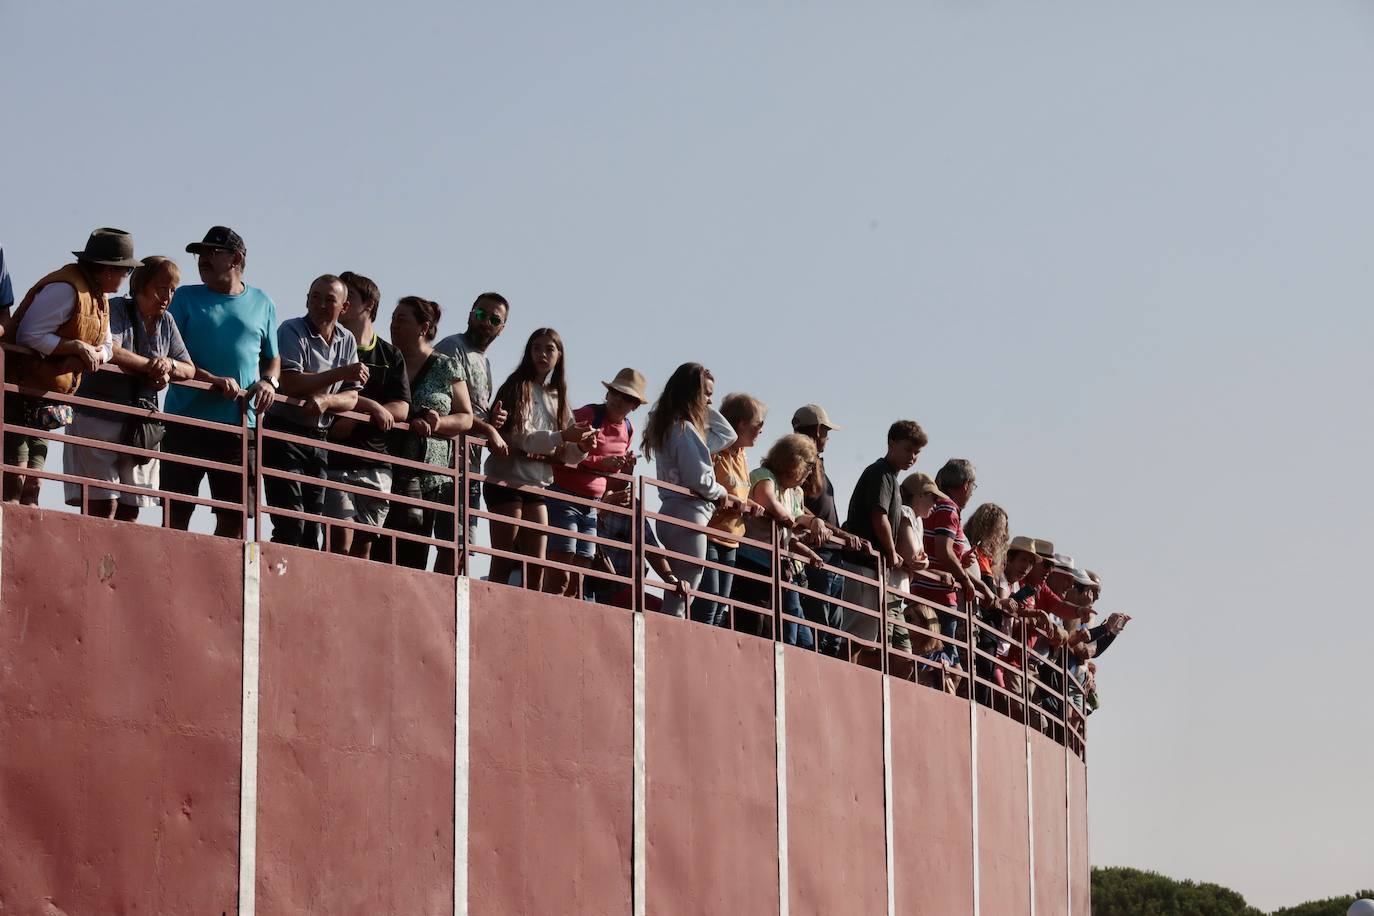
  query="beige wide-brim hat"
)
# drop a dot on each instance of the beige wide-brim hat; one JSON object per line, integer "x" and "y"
{"x": 629, "y": 382}
{"x": 1036, "y": 546}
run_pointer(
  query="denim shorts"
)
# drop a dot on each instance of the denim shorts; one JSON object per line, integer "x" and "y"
{"x": 571, "y": 517}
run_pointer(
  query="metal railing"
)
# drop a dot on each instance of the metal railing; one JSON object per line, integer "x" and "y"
{"x": 1010, "y": 669}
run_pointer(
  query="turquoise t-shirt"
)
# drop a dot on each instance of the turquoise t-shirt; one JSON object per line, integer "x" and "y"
{"x": 226, "y": 335}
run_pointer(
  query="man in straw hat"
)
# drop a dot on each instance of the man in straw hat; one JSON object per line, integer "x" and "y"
{"x": 611, "y": 454}
{"x": 65, "y": 317}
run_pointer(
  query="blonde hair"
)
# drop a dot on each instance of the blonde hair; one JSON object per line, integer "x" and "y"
{"x": 740, "y": 408}
{"x": 987, "y": 529}
{"x": 152, "y": 268}
{"x": 790, "y": 455}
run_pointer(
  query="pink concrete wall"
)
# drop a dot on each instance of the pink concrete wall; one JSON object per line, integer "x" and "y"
{"x": 711, "y": 759}
{"x": 837, "y": 843}
{"x": 1079, "y": 866}
{"x": 552, "y": 755}
{"x": 932, "y": 818}
{"x": 119, "y": 718}
{"x": 355, "y": 770}
{"x": 1050, "y": 827}
{"x": 1004, "y": 841}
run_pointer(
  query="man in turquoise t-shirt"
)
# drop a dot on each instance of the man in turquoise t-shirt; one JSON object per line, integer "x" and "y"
{"x": 230, "y": 329}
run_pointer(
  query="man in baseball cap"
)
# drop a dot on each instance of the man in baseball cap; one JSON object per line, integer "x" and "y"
{"x": 230, "y": 330}
{"x": 812, "y": 421}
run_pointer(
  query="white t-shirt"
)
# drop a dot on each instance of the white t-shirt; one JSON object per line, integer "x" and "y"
{"x": 899, "y": 578}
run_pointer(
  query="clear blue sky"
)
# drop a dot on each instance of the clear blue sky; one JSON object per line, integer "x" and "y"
{"x": 1116, "y": 254}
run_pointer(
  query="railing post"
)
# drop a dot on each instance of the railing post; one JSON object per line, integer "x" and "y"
{"x": 244, "y": 472}
{"x": 258, "y": 499}
{"x": 1025, "y": 671}
{"x": 970, "y": 607}
{"x": 881, "y": 566}
{"x": 460, "y": 508}
{"x": 777, "y": 580}
{"x": 637, "y": 546}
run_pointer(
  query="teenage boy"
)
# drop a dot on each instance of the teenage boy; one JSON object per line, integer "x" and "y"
{"x": 875, "y": 514}
{"x": 319, "y": 360}
{"x": 385, "y": 399}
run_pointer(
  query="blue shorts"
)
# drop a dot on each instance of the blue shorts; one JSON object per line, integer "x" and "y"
{"x": 571, "y": 517}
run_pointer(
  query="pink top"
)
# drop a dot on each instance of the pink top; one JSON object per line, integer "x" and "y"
{"x": 614, "y": 440}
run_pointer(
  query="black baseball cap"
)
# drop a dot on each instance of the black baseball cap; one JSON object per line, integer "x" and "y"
{"x": 219, "y": 238}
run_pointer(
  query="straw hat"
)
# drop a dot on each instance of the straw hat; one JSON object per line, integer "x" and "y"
{"x": 630, "y": 383}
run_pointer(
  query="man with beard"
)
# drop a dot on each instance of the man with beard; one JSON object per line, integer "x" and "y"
{"x": 486, "y": 320}
{"x": 230, "y": 330}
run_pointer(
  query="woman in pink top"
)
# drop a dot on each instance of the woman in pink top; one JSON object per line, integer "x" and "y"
{"x": 610, "y": 455}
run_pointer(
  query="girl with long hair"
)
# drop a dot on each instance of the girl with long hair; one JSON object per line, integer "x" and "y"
{"x": 539, "y": 429}
{"x": 680, "y": 435}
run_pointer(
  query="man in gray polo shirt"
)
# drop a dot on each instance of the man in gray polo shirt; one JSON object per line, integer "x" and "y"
{"x": 319, "y": 365}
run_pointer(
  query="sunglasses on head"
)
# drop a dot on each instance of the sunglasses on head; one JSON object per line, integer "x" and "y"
{"x": 490, "y": 318}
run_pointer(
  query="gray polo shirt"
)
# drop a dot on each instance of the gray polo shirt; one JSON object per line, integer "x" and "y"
{"x": 304, "y": 349}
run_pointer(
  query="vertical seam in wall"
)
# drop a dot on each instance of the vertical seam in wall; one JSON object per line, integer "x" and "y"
{"x": 1030, "y": 821}
{"x": 1068, "y": 825}
{"x": 248, "y": 742}
{"x": 462, "y": 677}
{"x": 780, "y": 725}
{"x": 888, "y": 814}
{"x": 640, "y": 852}
{"x": 973, "y": 769}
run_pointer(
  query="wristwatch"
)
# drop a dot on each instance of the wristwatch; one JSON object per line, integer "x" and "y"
{"x": 273, "y": 381}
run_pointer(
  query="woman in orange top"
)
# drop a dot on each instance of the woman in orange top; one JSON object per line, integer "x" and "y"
{"x": 746, "y": 414}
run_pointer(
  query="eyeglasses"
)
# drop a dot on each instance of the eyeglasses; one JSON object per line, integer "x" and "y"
{"x": 490, "y": 318}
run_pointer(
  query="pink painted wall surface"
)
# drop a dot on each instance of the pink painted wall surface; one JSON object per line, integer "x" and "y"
{"x": 119, "y": 718}
{"x": 1051, "y": 827}
{"x": 837, "y": 843}
{"x": 552, "y": 755}
{"x": 355, "y": 770}
{"x": 931, "y": 794}
{"x": 1004, "y": 840}
{"x": 712, "y": 762}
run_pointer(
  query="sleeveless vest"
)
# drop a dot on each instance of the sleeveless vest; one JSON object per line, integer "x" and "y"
{"x": 89, "y": 322}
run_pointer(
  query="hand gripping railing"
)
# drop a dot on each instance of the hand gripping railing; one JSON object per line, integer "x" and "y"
{"x": 1011, "y": 668}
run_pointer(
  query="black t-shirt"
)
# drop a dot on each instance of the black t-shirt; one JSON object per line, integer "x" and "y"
{"x": 877, "y": 488}
{"x": 387, "y": 381}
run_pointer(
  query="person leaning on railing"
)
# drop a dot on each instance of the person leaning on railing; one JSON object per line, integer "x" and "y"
{"x": 775, "y": 485}
{"x": 230, "y": 330}
{"x": 875, "y": 515}
{"x": 540, "y": 431}
{"x": 680, "y": 435}
{"x": 65, "y": 317}
{"x": 149, "y": 351}
{"x": 611, "y": 453}
{"x": 385, "y": 400}
{"x": 919, "y": 495}
{"x": 439, "y": 412}
{"x": 745, "y": 414}
{"x": 319, "y": 365}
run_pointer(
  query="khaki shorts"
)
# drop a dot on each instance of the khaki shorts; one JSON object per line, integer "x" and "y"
{"x": 366, "y": 510}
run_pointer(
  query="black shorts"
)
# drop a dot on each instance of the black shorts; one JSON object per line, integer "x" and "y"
{"x": 499, "y": 495}
{"x": 210, "y": 445}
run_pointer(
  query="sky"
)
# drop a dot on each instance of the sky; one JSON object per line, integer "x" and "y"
{"x": 1115, "y": 254}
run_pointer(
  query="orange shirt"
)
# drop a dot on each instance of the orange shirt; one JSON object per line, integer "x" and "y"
{"x": 732, "y": 473}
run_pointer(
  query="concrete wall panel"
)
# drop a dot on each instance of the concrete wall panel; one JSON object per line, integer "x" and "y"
{"x": 355, "y": 771}
{"x": 931, "y": 795}
{"x": 1004, "y": 860}
{"x": 837, "y": 843}
{"x": 120, "y": 671}
{"x": 1079, "y": 866}
{"x": 1051, "y": 828}
{"x": 711, "y": 759}
{"x": 552, "y": 755}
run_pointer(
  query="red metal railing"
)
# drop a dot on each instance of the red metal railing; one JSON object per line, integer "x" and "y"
{"x": 1015, "y": 677}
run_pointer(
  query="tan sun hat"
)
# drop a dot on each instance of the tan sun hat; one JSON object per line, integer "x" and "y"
{"x": 918, "y": 483}
{"x": 629, "y": 382}
{"x": 810, "y": 415}
{"x": 1036, "y": 546}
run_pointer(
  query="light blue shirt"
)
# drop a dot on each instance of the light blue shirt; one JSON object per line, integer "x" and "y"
{"x": 226, "y": 335}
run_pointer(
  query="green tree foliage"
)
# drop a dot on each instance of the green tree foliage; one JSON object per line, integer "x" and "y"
{"x": 1132, "y": 892}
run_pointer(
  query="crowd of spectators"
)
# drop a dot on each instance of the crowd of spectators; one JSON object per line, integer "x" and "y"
{"x": 731, "y": 535}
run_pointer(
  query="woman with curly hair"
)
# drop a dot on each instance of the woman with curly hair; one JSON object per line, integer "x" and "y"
{"x": 539, "y": 430}
{"x": 678, "y": 436}
{"x": 988, "y": 533}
